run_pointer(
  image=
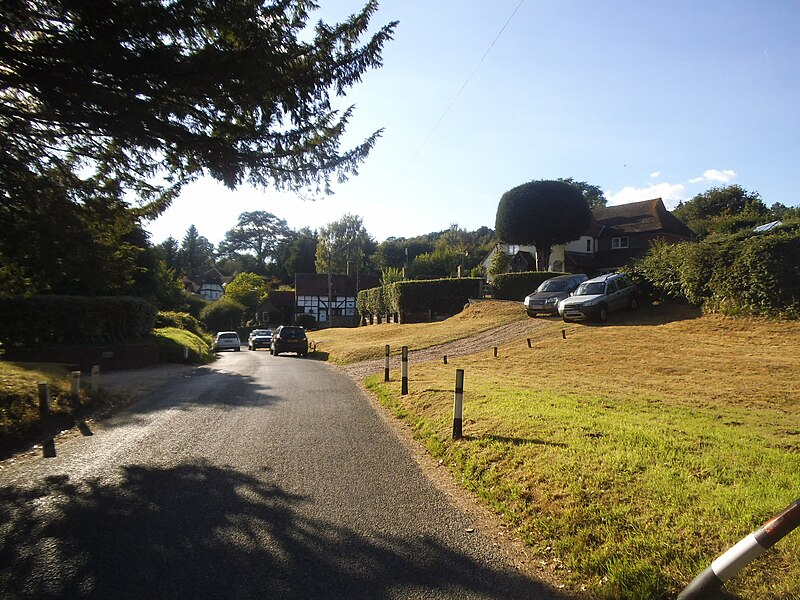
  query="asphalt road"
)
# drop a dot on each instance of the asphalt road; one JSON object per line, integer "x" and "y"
{"x": 257, "y": 477}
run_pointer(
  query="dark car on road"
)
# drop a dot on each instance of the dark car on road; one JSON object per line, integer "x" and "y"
{"x": 550, "y": 292}
{"x": 259, "y": 338}
{"x": 289, "y": 338}
{"x": 596, "y": 298}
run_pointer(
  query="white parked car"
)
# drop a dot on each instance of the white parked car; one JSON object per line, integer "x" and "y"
{"x": 227, "y": 340}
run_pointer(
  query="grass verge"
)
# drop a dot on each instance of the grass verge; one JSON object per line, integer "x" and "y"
{"x": 349, "y": 345}
{"x": 628, "y": 456}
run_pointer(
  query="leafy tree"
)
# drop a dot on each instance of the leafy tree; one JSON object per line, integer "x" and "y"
{"x": 343, "y": 245}
{"x": 224, "y": 314}
{"x": 542, "y": 213}
{"x": 442, "y": 262}
{"x": 257, "y": 233}
{"x": 501, "y": 262}
{"x": 196, "y": 254}
{"x": 301, "y": 254}
{"x": 391, "y": 275}
{"x": 248, "y": 289}
{"x": 704, "y": 213}
{"x": 591, "y": 193}
{"x": 130, "y": 91}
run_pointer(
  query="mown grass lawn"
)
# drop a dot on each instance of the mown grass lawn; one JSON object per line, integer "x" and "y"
{"x": 627, "y": 455}
{"x": 348, "y": 345}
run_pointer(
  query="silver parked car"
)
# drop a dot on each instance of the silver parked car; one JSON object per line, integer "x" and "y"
{"x": 596, "y": 298}
{"x": 550, "y": 292}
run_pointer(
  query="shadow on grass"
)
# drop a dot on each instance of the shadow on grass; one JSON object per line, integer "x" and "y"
{"x": 514, "y": 441}
{"x": 201, "y": 531}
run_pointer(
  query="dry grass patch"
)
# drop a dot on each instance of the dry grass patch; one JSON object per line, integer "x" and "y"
{"x": 348, "y": 345}
{"x": 632, "y": 453}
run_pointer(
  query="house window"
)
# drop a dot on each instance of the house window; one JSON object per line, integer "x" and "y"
{"x": 619, "y": 242}
{"x": 589, "y": 245}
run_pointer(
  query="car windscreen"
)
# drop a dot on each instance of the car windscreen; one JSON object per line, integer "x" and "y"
{"x": 228, "y": 336}
{"x": 553, "y": 286}
{"x": 292, "y": 332}
{"x": 591, "y": 288}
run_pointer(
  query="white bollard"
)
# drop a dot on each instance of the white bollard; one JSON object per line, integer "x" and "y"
{"x": 458, "y": 405}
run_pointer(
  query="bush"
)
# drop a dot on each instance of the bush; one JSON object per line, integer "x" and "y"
{"x": 754, "y": 274}
{"x": 49, "y": 320}
{"x": 515, "y": 286}
{"x": 223, "y": 315}
{"x": 306, "y": 321}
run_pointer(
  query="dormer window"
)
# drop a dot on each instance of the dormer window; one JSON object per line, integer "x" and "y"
{"x": 619, "y": 242}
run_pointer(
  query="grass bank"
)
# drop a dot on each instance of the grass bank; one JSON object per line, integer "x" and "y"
{"x": 20, "y": 420}
{"x": 628, "y": 456}
{"x": 348, "y": 345}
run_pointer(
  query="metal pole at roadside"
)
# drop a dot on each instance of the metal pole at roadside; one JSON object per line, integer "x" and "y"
{"x": 745, "y": 551}
{"x": 404, "y": 371}
{"x": 458, "y": 405}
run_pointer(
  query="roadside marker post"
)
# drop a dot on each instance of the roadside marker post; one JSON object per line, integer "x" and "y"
{"x": 76, "y": 384}
{"x": 445, "y": 359}
{"x": 458, "y": 405}
{"x": 404, "y": 371}
{"x": 563, "y": 334}
{"x": 386, "y": 366}
{"x": 745, "y": 551}
{"x": 529, "y": 343}
{"x": 95, "y": 378}
{"x": 495, "y": 351}
{"x": 44, "y": 400}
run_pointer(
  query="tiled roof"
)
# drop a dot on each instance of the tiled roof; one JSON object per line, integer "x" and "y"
{"x": 648, "y": 216}
{"x": 316, "y": 284}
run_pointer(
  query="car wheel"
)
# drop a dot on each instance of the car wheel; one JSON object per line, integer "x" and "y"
{"x": 602, "y": 314}
{"x": 633, "y": 303}
{"x": 236, "y": 349}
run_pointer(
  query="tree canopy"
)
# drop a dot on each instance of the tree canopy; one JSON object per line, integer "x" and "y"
{"x": 136, "y": 90}
{"x": 722, "y": 210}
{"x": 593, "y": 194}
{"x": 542, "y": 213}
{"x": 258, "y": 233}
{"x": 343, "y": 245}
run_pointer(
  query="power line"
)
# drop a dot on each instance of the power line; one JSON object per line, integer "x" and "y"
{"x": 455, "y": 98}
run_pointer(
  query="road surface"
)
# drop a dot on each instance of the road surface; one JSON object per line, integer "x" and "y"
{"x": 257, "y": 477}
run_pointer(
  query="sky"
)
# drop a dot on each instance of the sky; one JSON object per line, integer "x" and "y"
{"x": 644, "y": 99}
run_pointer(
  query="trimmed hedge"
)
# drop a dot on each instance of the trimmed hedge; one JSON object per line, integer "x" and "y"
{"x": 757, "y": 275}
{"x": 47, "y": 320}
{"x": 437, "y": 296}
{"x": 515, "y": 286}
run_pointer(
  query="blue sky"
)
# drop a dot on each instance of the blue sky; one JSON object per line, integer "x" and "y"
{"x": 644, "y": 99}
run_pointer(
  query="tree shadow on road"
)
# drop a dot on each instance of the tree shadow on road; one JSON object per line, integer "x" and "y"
{"x": 202, "y": 531}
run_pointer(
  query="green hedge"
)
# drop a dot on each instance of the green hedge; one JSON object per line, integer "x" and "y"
{"x": 515, "y": 286}
{"x": 439, "y": 296}
{"x": 47, "y": 320}
{"x": 180, "y": 320}
{"x": 758, "y": 274}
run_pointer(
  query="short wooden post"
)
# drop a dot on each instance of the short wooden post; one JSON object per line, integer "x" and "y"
{"x": 386, "y": 365}
{"x": 495, "y": 351}
{"x": 529, "y": 343}
{"x": 563, "y": 334}
{"x": 458, "y": 405}
{"x": 186, "y": 353}
{"x": 404, "y": 371}
{"x": 445, "y": 359}
{"x": 44, "y": 400}
{"x": 95, "y": 378}
{"x": 76, "y": 384}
